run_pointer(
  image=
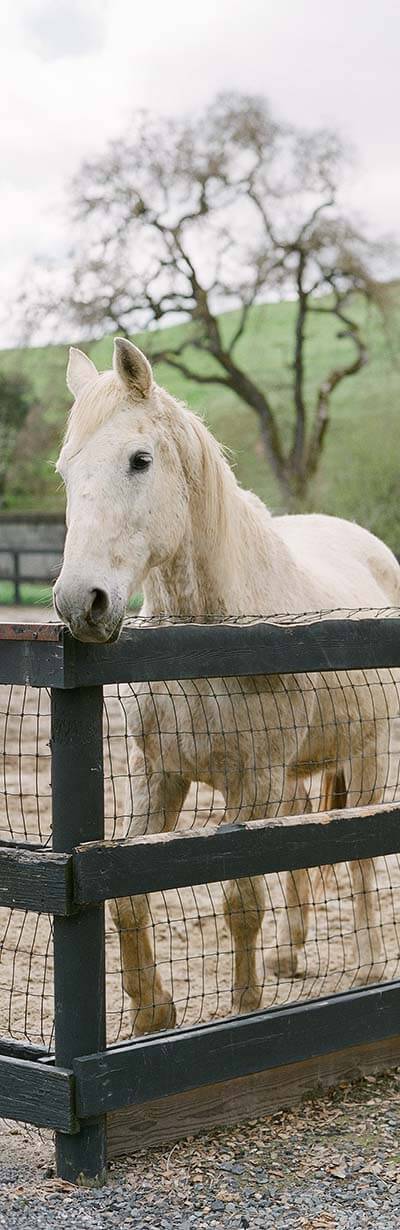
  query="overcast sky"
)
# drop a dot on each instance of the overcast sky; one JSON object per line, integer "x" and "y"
{"x": 72, "y": 71}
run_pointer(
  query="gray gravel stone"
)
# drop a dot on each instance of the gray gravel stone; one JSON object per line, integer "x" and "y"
{"x": 332, "y": 1165}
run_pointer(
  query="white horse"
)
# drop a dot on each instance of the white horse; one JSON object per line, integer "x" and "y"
{"x": 152, "y": 505}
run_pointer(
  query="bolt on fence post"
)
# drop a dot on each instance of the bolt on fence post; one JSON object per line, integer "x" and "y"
{"x": 79, "y": 940}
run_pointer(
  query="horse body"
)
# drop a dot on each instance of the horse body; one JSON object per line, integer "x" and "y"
{"x": 198, "y": 545}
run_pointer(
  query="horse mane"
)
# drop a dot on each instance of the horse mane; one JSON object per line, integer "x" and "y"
{"x": 223, "y": 508}
{"x": 210, "y": 479}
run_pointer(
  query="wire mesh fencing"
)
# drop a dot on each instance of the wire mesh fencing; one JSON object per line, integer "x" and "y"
{"x": 184, "y": 755}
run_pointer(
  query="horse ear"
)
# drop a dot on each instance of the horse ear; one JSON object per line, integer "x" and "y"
{"x": 80, "y": 371}
{"x": 132, "y": 367}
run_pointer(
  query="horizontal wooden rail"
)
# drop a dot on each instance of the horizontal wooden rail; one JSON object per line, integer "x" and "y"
{"x": 103, "y": 870}
{"x": 11, "y": 1049}
{"x": 32, "y": 655}
{"x": 40, "y": 880}
{"x": 49, "y": 656}
{"x": 159, "y": 1065}
{"x": 226, "y": 1103}
{"x": 37, "y": 1093}
{"x": 32, "y": 878}
{"x": 190, "y": 651}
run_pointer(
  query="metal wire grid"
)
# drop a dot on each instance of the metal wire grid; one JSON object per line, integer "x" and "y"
{"x": 25, "y": 764}
{"x": 237, "y": 730}
{"x": 194, "y": 951}
{"x": 193, "y": 945}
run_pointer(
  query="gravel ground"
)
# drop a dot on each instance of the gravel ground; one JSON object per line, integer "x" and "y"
{"x": 333, "y": 1164}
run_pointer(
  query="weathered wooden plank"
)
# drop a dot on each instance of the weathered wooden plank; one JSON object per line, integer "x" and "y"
{"x": 190, "y": 651}
{"x": 175, "y": 1061}
{"x": 35, "y": 880}
{"x": 23, "y": 1050}
{"x": 38, "y": 661}
{"x": 165, "y": 1120}
{"x": 103, "y": 870}
{"x": 48, "y": 655}
{"x": 49, "y": 632}
{"x": 37, "y": 1093}
{"x": 22, "y": 845}
{"x": 79, "y": 940}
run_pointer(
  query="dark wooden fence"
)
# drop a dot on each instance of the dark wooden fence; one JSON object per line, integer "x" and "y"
{"x": 74, "y": 1089}
{"x": 37, "y": 565}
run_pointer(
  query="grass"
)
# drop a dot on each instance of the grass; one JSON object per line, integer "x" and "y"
{"x": 41, "y": 595}
{"x": 31, "y": 594}
{"x": 359, "y": 473}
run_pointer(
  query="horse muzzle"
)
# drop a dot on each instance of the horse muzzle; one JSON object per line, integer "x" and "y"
{"x": 93, "y": 616}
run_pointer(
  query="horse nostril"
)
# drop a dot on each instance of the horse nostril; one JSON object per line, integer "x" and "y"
{"x": 98, "y": 606}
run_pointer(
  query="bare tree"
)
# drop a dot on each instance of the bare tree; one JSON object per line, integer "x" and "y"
{"x": 185, "y": 219}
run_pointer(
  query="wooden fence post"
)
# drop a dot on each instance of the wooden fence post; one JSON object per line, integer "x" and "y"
{"x": 17, "y": 591}
{"x": 79, "y": 943}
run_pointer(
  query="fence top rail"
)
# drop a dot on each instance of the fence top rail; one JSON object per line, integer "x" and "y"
{"x": 31, "y": 632}
{"x": 47, "y": 654}
{"x": 37, "y": 550}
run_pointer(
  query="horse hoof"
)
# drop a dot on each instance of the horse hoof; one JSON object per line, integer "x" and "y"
{"x": 151, "y": 1019}
{"x": 247, "y": 1000}
{"x": 284, "y": 967}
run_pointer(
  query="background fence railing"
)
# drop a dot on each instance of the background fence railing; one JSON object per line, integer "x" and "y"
{"x": 75, "y": 1086}
{"x": 37, "y": 565}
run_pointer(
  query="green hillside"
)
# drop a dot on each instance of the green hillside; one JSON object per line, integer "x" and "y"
{"x": 359, "y": 474}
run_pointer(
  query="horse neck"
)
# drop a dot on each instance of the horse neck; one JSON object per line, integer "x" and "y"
{"x": 185, "y": 586}
{"x": 227, "y": 563}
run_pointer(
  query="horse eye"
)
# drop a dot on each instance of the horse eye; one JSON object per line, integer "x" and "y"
{"x": 139, "y": 461}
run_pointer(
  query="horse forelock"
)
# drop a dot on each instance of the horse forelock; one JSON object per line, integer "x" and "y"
{"x": 99, "y": 400}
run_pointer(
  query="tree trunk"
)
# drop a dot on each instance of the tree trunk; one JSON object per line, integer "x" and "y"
{"x": 297, "y": 453}
{"x": 248, "y": 392}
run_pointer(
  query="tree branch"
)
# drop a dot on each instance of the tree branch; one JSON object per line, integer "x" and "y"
{"x": 308, "y": 225}
{"x": 336, "y": 375}
{"x": 169, "y": 357}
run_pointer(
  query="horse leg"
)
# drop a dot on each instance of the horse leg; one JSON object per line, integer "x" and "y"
{"x": 292, "y": 932}
{"x": 159, "y": 798}
{"x": 245, "y": 901}
{"x": 294, "y": 921}
{"x": 244, "y": 909}
{"x": 367, "y": 916}
{"x": 370, "y": 947}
